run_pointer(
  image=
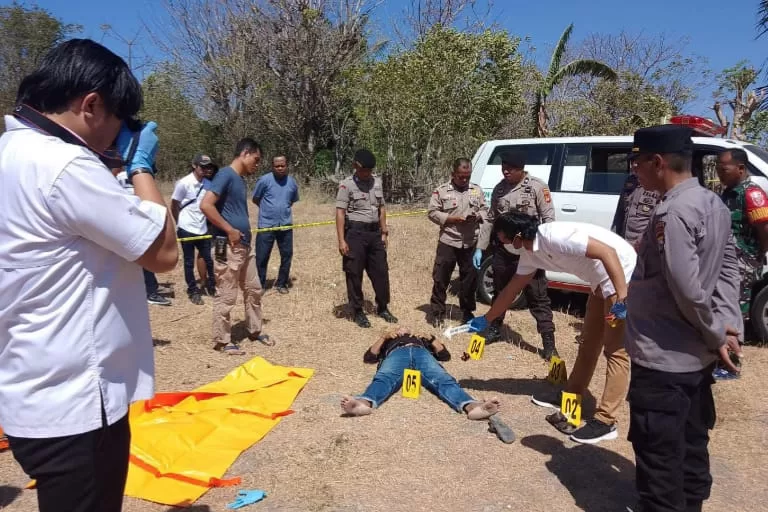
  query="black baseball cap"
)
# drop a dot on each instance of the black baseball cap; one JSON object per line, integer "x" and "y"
{"x": 365, "y": 158}
{"x": 662, "y": 139}
{"x": 203, "y": 160}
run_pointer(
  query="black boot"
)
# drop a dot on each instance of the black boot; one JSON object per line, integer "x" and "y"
{"x": 361, "y": 320}
{"x": 492, "y": 334}
{"x": 548, "y": 342}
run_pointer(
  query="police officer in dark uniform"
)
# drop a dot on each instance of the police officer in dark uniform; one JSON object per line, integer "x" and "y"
{"x": 520, "y": 192}
{"x": 682, "y": 316}
{"x": 361, "y": 228}
{"x": 634, "y": 210}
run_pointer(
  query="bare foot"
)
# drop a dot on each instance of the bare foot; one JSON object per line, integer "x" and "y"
{"x": 355, "y": 406}
{"x": 482, "y": 410}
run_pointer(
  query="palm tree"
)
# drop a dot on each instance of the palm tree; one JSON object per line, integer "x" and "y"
{"x": 762, "y": 17}
{"x": 557, "y": 74}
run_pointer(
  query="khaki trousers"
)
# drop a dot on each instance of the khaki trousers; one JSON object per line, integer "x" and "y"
{"x": 238, "y": 271}
{"x": 597, "y": 335}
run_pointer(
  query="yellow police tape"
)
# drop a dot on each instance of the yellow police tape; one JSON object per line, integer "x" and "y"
{"x": 297, "y": 226}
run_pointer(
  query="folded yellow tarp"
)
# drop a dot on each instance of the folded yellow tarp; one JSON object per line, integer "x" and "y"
{"x": 183, "y": 443}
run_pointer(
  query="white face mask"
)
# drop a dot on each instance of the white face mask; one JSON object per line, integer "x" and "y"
{"x": 511, "y": 249}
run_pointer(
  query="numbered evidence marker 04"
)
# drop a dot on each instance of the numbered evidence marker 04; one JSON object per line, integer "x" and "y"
{"x": 411, "y": 383}
{"x": 476, "y": 347}
{"x": 570, "y": 407}
{"x": 558, "y": 374}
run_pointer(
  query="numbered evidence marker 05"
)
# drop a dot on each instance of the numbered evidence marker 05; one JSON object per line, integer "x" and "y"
{"x": 476, "y": 347}
{"x": 411, "y": 383}
{"x": 558, "y": 374}
{"x": 570, "y": 407}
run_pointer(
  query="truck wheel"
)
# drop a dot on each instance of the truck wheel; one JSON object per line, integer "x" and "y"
{"x": 485, "y": 291}
{"x": 759, "y": 315}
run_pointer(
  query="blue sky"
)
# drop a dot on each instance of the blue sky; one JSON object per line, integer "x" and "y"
{"x": 722, "y": 36}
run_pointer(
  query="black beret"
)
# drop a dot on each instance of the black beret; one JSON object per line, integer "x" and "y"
{"x": 514, "y": 159}
{"x": 365, "y": 158}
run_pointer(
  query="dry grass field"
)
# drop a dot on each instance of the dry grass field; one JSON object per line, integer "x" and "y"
{"x": 418, "y": 455}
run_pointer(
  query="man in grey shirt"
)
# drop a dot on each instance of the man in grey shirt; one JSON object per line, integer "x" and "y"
{"x": 682, "y": 315}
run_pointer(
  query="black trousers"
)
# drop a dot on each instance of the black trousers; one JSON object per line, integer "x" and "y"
{"x": 504, "y": 266}
{"x": 203, "y": 249}
{"x": 80, "y": 473}
{"x": 446, "y": 259}
{"x": 670, "y": 418}
{"x": 366, "y": 254}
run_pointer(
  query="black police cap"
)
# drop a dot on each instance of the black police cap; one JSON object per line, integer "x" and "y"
{"x": 365, "y": 158}
{"x": 662, "y": 139}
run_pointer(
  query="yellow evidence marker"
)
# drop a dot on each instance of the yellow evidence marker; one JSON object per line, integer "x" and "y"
{"x": 558, "y": 374}
{"x": 476, "y": 347}
{"x": 411, "y": 383}
{"x": 570, "y": 407}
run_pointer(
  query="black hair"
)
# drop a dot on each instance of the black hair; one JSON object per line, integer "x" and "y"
{"x": 737, "y": 155}
{"x": 247, "y": 144}
{"x": 678, "y": 162}
{"x": 280, "y": 155}
{"x": 458, "y": 163}
{"x": 517, "y": 223}
{"x": 78, "y": 67}
{"x": 514, "y": 159}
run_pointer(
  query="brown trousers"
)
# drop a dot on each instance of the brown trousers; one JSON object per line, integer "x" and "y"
{"x": 238, "y": 271}
{"x": 597, "y": 335}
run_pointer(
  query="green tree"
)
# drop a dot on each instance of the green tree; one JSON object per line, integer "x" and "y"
{"x": 736, "y": 90}
{"x": 421, "y": 108}
{"x": 27, "y": 33}
{"x": 557, "y": 73}
{"x": 181, "y": 132}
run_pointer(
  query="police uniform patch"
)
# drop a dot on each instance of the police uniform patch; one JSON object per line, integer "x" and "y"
{"x": 547, "y": 195}
{"x": 659, "y": 230}
{"x": 645, "y": 208}
{"x": 757, "y": 197}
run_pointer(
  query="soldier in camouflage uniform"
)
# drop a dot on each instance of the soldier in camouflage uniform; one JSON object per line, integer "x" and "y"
{"x": 748, "y": 204}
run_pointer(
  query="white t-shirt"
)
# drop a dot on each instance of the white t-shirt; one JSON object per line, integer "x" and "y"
{"x": 188, "y": 191}
{"x": 74, "y": 323}
{"x": 562, "y": 247}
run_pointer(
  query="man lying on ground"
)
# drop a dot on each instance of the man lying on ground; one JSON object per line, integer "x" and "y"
{"x": 400, "y": 350}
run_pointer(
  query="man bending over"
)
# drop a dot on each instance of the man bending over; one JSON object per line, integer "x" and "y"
{"x": 401, "y": 350}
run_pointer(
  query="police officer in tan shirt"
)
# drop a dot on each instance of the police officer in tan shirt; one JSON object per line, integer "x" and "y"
{"x": 458, "y": 207}
{"x": 361, "y": 228}
{"x": 634, "y": 210}
{"x": 520, "y": 192}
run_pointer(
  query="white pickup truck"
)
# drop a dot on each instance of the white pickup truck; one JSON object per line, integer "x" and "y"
{"x": 585, "y": 176}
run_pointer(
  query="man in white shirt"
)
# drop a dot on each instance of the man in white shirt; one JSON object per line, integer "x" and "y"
{"x": 191, "y": 223}
{"x": 605, "y": 261}
{"x": 75, "y": 342}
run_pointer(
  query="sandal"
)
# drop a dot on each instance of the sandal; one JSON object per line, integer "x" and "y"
{"x": 501, "y": 429}
{"x": 229, "y": 349}
{"x": 560, "y": 422}
{"x": 264, "y": 339}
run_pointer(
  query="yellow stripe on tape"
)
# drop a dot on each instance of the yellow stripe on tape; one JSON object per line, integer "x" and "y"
{"x": 297, "y": 226}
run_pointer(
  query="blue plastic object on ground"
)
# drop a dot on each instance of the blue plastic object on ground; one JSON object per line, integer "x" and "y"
{"x": 245, "y": 498}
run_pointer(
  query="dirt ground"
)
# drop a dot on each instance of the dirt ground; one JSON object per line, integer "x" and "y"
{"x": 418, "y": 455}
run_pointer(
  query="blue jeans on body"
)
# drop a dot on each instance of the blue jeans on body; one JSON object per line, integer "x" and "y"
{"x": 389, "y": 378}
{"x": 150, "y": 282}
{"x": 264, "y": 243}
{"x": 204, "y": 249}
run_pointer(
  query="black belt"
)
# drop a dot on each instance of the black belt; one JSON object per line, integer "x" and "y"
{"x": 363, "y": 226}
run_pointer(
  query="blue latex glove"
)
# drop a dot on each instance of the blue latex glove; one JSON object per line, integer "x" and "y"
{"x": 619, "y": 311}
{"x": 144, "y": 158}
{"x": 478, "y": 324}
{"x": 245, "y": 498}
{"x": 477, "y": 258}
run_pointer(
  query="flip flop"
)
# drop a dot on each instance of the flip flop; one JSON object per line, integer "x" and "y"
{"x": 560, "y": 422}
{"x": 230, "y": 349}
{"x": 502, "y": 431}
{"x": 264, "y": 339}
